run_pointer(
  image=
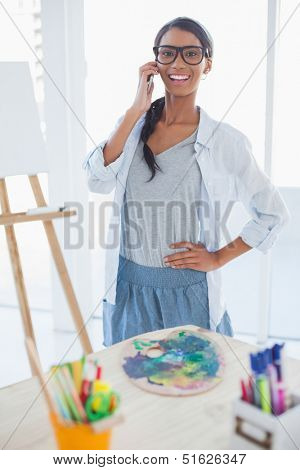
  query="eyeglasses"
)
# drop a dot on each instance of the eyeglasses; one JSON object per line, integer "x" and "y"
{"x": 192, "y": 55}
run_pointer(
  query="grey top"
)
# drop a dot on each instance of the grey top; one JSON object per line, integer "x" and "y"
{"x": 164, "y": 210}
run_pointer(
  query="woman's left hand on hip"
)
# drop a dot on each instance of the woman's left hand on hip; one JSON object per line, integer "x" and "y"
{"x": 196, "y": 257}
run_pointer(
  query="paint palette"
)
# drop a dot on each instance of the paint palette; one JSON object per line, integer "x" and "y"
{"x": 184, "y": 363}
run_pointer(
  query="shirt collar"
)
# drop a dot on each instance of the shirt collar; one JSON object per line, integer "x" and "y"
{"x": 206, "y": 128}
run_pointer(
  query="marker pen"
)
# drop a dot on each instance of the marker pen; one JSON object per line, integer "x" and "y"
{"x": 263, "y": 385}
{"x": 276, "y": 354}
{"x": 254, "y": 367}
{"x": 276, "y": 350}
{"x": 244, "y": 391}
{"x": 88, "y": 375}
{"x": 251, "y": 390}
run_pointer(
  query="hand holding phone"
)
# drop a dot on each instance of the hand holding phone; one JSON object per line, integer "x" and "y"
{"x": 145, "y": 89}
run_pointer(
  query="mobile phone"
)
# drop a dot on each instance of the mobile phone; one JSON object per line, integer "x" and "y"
{"x": 150, "y": 81}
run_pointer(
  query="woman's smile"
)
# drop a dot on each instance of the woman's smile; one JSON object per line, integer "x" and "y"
{"x": 179, "y": 79}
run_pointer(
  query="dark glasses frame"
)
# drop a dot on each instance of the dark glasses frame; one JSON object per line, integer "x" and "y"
{"x": 180, "y": 49}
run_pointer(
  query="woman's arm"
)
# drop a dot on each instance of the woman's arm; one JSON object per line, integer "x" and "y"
{"x": 227, "y": 253}
{"x": 199, "y": 258}
{"x": 261, "y": 199}
{"x": 115, "y": 144}
{"x": 103, "y": 163}
{"x": 263, "y": 202}
{"x": 101, "y": 175}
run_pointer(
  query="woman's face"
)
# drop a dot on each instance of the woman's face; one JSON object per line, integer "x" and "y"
{"x": 178, "y": 37}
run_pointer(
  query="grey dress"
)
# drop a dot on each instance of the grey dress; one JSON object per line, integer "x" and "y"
{"x": 163, "y": 210}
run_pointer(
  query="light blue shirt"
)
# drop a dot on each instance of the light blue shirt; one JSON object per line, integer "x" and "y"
{"x": 230, "y": 174}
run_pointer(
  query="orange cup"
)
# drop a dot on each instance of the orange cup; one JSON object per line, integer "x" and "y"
{"x": 80, "y": 436}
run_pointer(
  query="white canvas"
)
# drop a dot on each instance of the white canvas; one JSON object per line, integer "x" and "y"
{"x": 22, "y": 148}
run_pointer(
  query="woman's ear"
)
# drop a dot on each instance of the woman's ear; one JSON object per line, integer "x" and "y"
{"x": 208, "y": 66}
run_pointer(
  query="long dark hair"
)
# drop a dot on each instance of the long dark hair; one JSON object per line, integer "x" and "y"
{"x": 154, "y": 112}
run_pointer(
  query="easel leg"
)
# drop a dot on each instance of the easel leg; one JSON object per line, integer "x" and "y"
{"x": 61, "y": 268}
{"x": 17, "y": 269}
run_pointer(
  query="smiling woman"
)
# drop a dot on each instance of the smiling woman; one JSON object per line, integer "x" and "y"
{"x": 167, "y": 263}
{"x": 183, "y": 51}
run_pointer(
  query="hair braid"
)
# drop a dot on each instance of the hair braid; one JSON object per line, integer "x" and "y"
{"x": 152, "y": 117}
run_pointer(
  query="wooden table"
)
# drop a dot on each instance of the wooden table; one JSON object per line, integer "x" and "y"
{"x": 151, "y": 421}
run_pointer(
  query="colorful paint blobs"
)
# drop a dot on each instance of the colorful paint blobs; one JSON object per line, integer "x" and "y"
{"x": 141, "y": 344}
{"x": 184, "y": 363}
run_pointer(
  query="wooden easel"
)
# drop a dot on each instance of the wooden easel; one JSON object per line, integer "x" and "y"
{"x": 8, "y": 219}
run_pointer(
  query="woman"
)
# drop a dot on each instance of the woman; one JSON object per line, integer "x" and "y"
{"x": 176, "y": 172}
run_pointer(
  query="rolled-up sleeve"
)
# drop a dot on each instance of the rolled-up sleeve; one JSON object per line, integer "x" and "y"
{"x": 100, "y": 178}
{"x": 261, "y": 199}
